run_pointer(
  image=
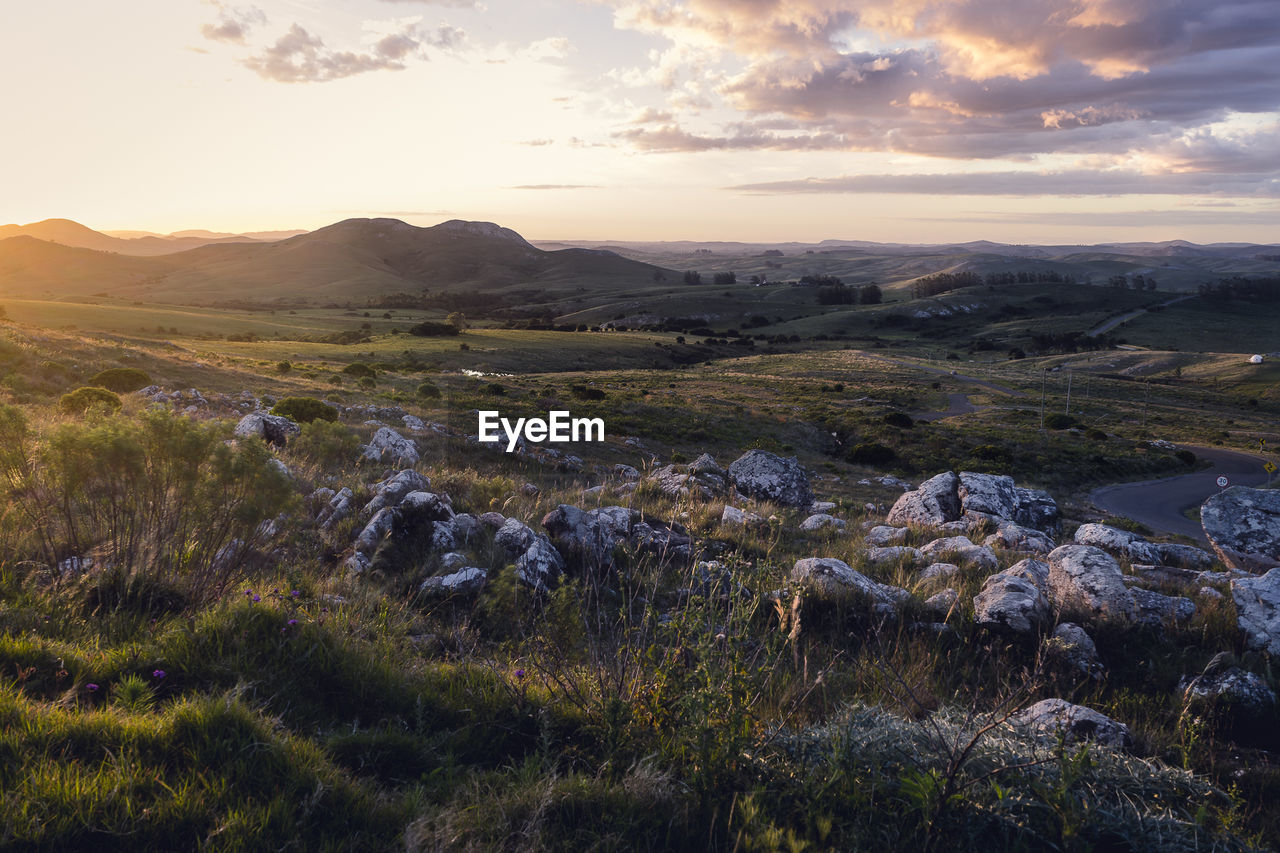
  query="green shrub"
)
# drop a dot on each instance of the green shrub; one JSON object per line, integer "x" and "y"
{"x": 326, "y": 443}
{"x": 81, "y": 400}
{"x": 494, "y": 389}
{"x": 428, "y": 329}
{"x": 584, "y": 392}
{"x": 429, "y": 391}
{"x": 367, "y": 382}
{"x": 872, "y": 453}
{"x": 899, "y": 419}
{"x": 360, "y": 370}
{"x": 1186, "y": 456}
{"x": 283, "y": 367}
{"x": 1059, "y": 421}
{"x": 121, "y": 379}
{"x": 304, "y": 410}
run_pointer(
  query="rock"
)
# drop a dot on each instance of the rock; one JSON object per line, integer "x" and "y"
{"x": 1037, "y": 510}
{"x": 939, "y": 571}
{"x": 1184, "y": 556}
{"x": 1074, "y": 648}
{"x": 1258, "y": 610}
{"x": 357, "y": 564}
{"x": 883, "y": 535}
{"x": 493, "y": 520}
{"x": 540, "y": 566}
{"x": 944, "y": 603}
{"x": 666, "y": 541}
{"x": 676, "y": 481}
{"x": 467, "y": 526}
{"x": 339, "y": 508}
{"x": 453, "y": 561}
{"x": 1226, "y": 687}
{"x": 413, "y": 423}
{"x": 987, "y": 493}
{"x": 592, "y": 536}
{"x": 830, "y": 579}
{"x": 1243, "y": 526}
{"x": 705, "y": 464}
{"x": 768, "y": 477}
{"x": 1014, "y": 537}
{"x": 1011, "y": 600}
{"x": 822, "y": 506}
{"x": 467, "y": 582}
{"x": 964, "y": 551}
{"x": 1089, "y": 579}
{"x": 274, "y": 429}
{"x": 392, "y": 490}
{"x": 1076, "y": 722}
{"x": 378, "y": 528}
{"x": 1033, "y": 570}
{"x": 391, "y": 448}
{"x": 821, "y": 521}
{"x": 734, "y": 517}
{"x": 1121, "y": 543}
{"x": 894, "y": 554}
{"x": 514, "y": 536}
{"x": 934, "y": 502}
{"x": 1155, "y": 609}
{"x": 626, "y": 473}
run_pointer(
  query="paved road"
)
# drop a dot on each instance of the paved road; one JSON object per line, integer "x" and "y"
{"x": 957, "y": 404}
{"x": 1159, "y": 503}
{"x": 1103, "y": 328}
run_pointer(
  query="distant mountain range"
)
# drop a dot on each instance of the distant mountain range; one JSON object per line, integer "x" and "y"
{"x": 66, "y": 232}
{"x": 351, "y": 261}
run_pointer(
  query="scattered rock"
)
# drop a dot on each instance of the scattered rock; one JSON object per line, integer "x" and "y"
{"x": 883, "y": 535}
{"x": 894, "y": 554}
{"x": 943, "y": 604}
{"x": 765, "y": 476}
{"x": 705, "y": 464}
{"x": 1076, "y": 722}
{"x": 1014, "y": 537}
{"x": 821, "y": 521}
{"x": 963, "y": 550}
{"x": 822, "y": 506}
{"x": 1155, "y": 609}
{"x": 939, "y": 571}
{"x": 391, "y": 448}
{"x": 1072, "y": 646}
{"x": 1258, "y": 609}
{"x": 1243, "y": 526}
{"x": 1184, "y": 556}
{"x": 392, "y": 490}
{"x": 467, "y": 582}
{"x": 1087, "y": 578}
{"x": 734, "y": 517}
{"x": 1121, "y": 543}
{"x": 830, "y": 579}
{"x": 1226, "y": 687}
{"x": 626, "y": 473}
{"x": 339, "y": 507}
{"x": 493, "y": 520}
{"x": 1012, "y": 600}
{"x": 934, "y": 502}
{"x": 274, "y": 429}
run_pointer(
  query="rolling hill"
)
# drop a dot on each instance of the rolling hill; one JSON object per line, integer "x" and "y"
{"x": 67, "y": 232}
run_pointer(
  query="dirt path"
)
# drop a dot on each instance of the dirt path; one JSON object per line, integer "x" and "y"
{"x": 1159, "y": 504}
{"x": 957, "y": 404}
{"x": 1107, "y": 326}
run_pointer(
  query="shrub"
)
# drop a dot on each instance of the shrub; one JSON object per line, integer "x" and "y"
{"x": 1186, "y": 456}
{"x": 495, "y": 389}
{"x": 326, "y": 443}
{"x": 360, "y": 370}
{"x": 872, "y": 453}
{"x": 1094, "y": 434}
{"x": 899, "y": 419}
{"x": 82, "y": 399}
{"x": 1059, "y": 421}
{"x": 431, "y": 330}
{"x": 283, "y": 367}
{"x": 583, "y": 392}
{"x": 304, "y": 410}
{"x": 367, "y": 382}
{"x": 429, "y": 391}
{"x": 121, "y": 379}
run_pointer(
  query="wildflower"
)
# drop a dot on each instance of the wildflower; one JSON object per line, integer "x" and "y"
{"x": 256, "y": 599}
{"x": 248, "y": 592}
{"x": 519, "y": 673}
{"x": 91, "y": 687}
{"x": 158, "y": 673}
{"x": 293, "y": 622}
{"x": 295, "y": 592}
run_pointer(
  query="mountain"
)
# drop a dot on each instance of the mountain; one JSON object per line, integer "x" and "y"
{"x": 67, "y": 232}
{"x": 349, "y": 261}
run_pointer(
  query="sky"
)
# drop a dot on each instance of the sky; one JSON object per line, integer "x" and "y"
{"x": 921, "y": 121}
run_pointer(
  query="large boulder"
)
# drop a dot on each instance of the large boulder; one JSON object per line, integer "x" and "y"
{"x": 1075, "y": 722}
{"x": 391, "y": 448}
{"x": 274, "y": 429}
{"x": 1154, "y": 608}
{"x": 538, "y": 564}
{"x": 392, "y": 490}
{"x": 1122, "y": 543}
{"x": 933, "y": 503}
{"x": 769, "y": 477}
{"x": 1014, "y": 537}
{"x": 988, "y": 494}
{"x": 882, "y": 535}
{"x": 1013, "y": 600}
{"x": 830, "y": 579}
{"x": 1243, "y": 526}
{"x": 467, "y": 582}
{"x": 1225, "y": 687}
{"x": 1258, "y": 610}
{"x": 734, "y": 517}
{"x": 964, "y": 551}
{"x": 1037, "y": 509}
{"x": 1085, "y": 578}
{"x": 590, "y": 536}
{"x": 1184, "y": 556}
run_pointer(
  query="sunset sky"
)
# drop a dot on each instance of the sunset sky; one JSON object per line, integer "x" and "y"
{"x": 892, "y": 120}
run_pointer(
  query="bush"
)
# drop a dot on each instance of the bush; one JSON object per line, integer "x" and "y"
{"x": 583, "y": 392}
{"x": 304, "y": 410}
{"x": 429, "y": 391}
{"x": 899, "y": 419}
{"x": 1059, "y": 421}
{"x": 433, "y": 330}
{"x": 283, "y": 367}
{"x": 873, "y": 453}
{"x": 1186, "y": 456}
{"x": 494, "y": 389}
{"x": 122, "y": 380}
{"x": 81, "y": 400}
{"x": 326, "y": 443}
{"x": 360, "y": 370}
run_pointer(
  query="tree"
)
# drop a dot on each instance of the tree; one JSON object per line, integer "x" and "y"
{"x": 870, "y": 294}
{"x": 725, "y": 278}
{"x": 458, "y": 320}
{"x": 692, "y": 277}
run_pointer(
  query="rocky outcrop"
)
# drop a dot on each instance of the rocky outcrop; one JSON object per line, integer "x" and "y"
{"x": 1258, "y": 610}
{"x": 1120, "y": 543}
{"x": 964, "y": 551}
{"x": 1014, "y": 600}
{"x": 768, "y": 477}
{"x": 1012, "y": 536}
{"x": 676, "y": 481}
{"x": 389, "y": 447}
{"x": 947, "y": 498}
{"x": 1243, "y": 526}
{"x": 467, "y": 582}
{"x": 1075, "y": 722}
{"x": 274, "y": 429}
{"x": 537, "y": 563}
{"x": 1085, "y": 578}
{"x": 1154, "y": 608}
{"x": 391, "y": 491}
{"x": 592, "y": 537}
{"x": 1184, "y": 556}
{"x": 932, "y": 503}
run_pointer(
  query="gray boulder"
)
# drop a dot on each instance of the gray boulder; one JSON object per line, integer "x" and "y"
{"x": 1082, "y": 577}
{"x": 590, "y": 536}
{"x": 389, "y": 447}
{"x": 274, "y": 429}
{"x": 939, "y": 571}
{"x": 894, "y": 554}
{"x": 821, "y": 521}
{"x": 393, "y": 489}
{"x": 988, "y": 494}
{"x": 882, "y": 535}
{"x": 1037, "y": 509}
{"x": 766, "y": 476}
{"x": 1122, "y": 543}
{"x": 1076, "y": 722}
{"x": 943, "y": 604}
{"x": 1258, "y": 610}
{"x": 1243, "y": 526}
{"x": 1012, "y": 536}
{"x": 934, "y": 502}
{"x": 339, "y": 507}
{"x": 1011, "y": 601}
{"x": 734, "y": 517}
{"x": 1184, "y": 556}
{"x": 1154, "y": 608}
{"x": 1072, "y": 646}
{"x": 467, "y": 582}
{"x": 1225, "y": 686}
{"x": 831, "y": 579}
{"x": 964, "y": 551}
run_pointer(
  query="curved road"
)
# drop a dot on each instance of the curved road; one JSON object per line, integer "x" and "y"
{"x": 1124, "y": 318}
{"x": 1159, "y": 504}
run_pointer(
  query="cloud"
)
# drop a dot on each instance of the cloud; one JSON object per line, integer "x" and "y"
{"x": 1117, "y": 219}
{"x": 538, "y": 143}
{"x": 958, "y": 78}
{"x": 557, "y": 187}
{"x": 298, "y": 56}
{"x": 233, "y": 23}
{"x": 461, "y": 4}
{"x": 1077, "y": 182}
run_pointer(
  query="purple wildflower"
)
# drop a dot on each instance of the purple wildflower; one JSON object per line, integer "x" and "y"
{"x": 256, "y": 599}
{"x": 295, "y": 592}
{"x": 292, "y": 622}
{"x": 91, "y": 687}
{"x": 158, "y": 673}
{"x": 519, "y": 673}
